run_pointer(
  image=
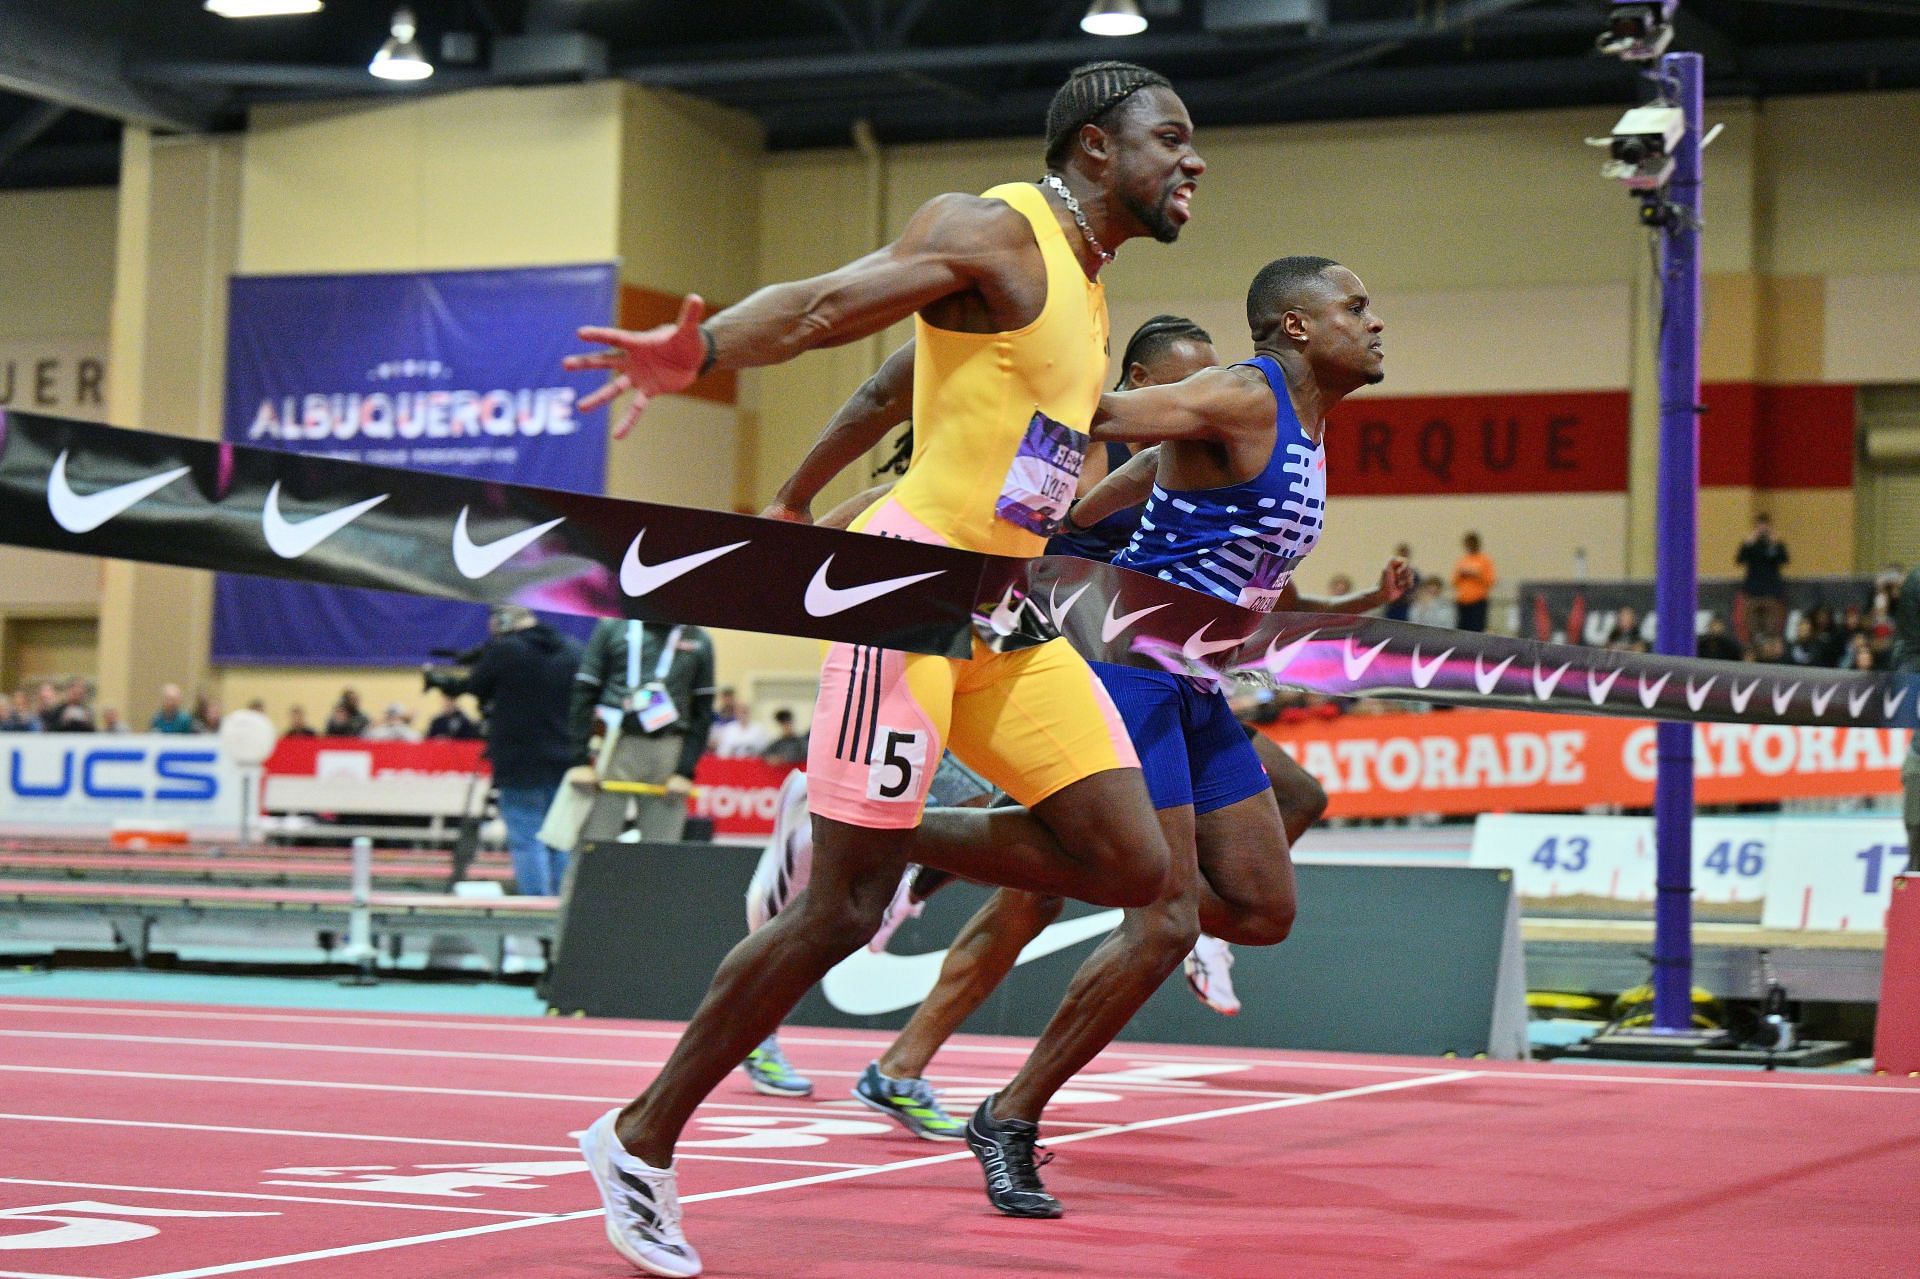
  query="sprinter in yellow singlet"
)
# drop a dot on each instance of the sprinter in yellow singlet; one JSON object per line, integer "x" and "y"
{"x": 1010, "y": 325}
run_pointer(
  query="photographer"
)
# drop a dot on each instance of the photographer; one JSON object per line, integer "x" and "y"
{"x": 522, "y": 676}
{"x": 1905, "y": 608}
{"x": 651, "y": 690}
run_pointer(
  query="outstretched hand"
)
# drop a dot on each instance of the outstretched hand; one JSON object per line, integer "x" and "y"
{"x": 1396, "y": 579}
{"x": 655, "y": 361}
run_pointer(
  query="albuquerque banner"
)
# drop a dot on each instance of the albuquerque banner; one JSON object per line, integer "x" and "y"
{"x": 100, "y": 490}
{"x": 1507, "y": 761}
{"x": 456, "y": 371}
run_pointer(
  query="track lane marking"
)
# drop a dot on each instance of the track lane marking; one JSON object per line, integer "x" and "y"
{"x": 247, "y": 1194}
{"x": 323, "y": 1254}
{"x": 401, "y": 1141}
{"x": 557, "y": 1026}
{"x": 1180, "y": 1088}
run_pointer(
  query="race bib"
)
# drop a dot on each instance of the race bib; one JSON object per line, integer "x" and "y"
{"x": 1259, "y": 599}
{"x": 1045, "y": 471}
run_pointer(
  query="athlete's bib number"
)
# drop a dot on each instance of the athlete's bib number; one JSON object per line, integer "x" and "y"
{"x": 1045, "y": 471}
{"x": 902, "y": 760}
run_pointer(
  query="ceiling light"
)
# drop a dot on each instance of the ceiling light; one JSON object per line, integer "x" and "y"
{"x": 401, "y": 57}
{"x": 1113, "y": 18}
{"x": 261, "y": 8}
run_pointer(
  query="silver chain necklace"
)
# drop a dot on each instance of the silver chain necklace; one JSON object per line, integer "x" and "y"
{"x": 1080, "y": 219}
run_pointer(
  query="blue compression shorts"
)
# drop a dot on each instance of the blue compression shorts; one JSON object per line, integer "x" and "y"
{"x": 1191, "y": 747}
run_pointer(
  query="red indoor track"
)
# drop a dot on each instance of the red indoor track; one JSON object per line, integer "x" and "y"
{"x": 168, "y": 1142}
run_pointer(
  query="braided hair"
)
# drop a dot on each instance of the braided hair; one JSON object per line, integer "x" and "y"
{"x": 1092, "y": 91}
{"x": 1155, "y": 337}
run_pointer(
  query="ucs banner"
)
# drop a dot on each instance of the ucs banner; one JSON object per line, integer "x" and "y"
{"x": 87, "y": 783}
{"x": 455, "y": 371}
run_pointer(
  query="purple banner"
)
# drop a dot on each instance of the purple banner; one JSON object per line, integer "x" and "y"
{"x": 456, "y": 372}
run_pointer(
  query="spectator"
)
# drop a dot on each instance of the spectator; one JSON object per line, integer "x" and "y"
{"x": 206, "y": 714}
{"x": 18, "y": 716}
{"x": 1906, "y": 659}
{"x": 727, "y": 710}
{"x": 1626, "y": 630}
{"x": 1770, "y": 648}
{"x": 1860, "y": 655}
{"x": 395, "y": 726}
{"x": 1801, "y": 652}
{"x": 1829, "y": 641}
{"x": 110, "y": 721}
{"x": 523, "y": 678}
{"x": 297, "y": 725}
{"x": 71, "y": 714}
{"x": 1401, "y": 609}
{"x": 172, "y": 716}
{"x": 1715, "y": 643}
{"x": 46, "y": 705}
{"x": 454, "y": 722}
{"x": 787, "y": 746}
{"x": 1473, "y": 580}
{"x": 741, "y": 738}
{"x": 1339, "y": 586}
{"x": 1763, "y": 589}
{"x": 652, "y": 688}
{"x": 347, "y": 719}
{"x": 1431, "y": 607}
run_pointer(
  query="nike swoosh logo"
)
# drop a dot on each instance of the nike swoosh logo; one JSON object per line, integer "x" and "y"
{"x": 1112, "y": 626}
{"x": 1274, "y": 663}
{"x": 1893, "y": 701}
{"x": 823, "y": 600}
{"x": 1696, "y": 697}
{"x": 79, "y": 513}
{"x": 1355, "y": 664}
{"x": 1005, "y": 617}
{"x": 476, "y": 561}
{"x": 1485, "y": 680}
{"x": 1543, "y": 685}
{"x": 1197, "y": 648}
{"x": 866, "y": 985}
{"x": 1598, "y": 686}
{"x": 1650, "y": 693}
{"x": 1856, "y": 702}
{"x": 1822, "y": 699}
{"x": 1782, "y": 697}
{"x": 290, "y": 541}
{"x": 1060, "y": 610}
{"x": 642, "y": 579}
{"x": 1423, "y": 673}
{"x": 1741, "y": 696}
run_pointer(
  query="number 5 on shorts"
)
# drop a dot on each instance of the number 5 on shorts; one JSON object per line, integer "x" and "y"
{"x": 895, "y": 774}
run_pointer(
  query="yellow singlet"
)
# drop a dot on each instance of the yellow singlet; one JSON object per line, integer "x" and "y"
{"x": 985, "y": 473}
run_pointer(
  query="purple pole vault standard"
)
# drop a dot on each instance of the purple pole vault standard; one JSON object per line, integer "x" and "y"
{"x": 1677, "y": 568}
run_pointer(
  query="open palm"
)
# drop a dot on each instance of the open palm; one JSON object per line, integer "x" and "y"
{"x": 655, "y": 361}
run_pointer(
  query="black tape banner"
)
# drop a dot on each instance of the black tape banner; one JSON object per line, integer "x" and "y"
{"x": 75, "y": 486}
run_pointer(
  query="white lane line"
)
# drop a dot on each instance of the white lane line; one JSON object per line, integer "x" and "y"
{"x": 35, "y": 1274}
{"x": 400, "y": 1141}
{"x": 1551, "y": 1075}
{"x": 322, "y": 1254}
{"x": 799, "y": 1106}
{"x": 1151, "y": 1088}
{"x": 568, "y": 1026}
{"x": 244, "y": 1194}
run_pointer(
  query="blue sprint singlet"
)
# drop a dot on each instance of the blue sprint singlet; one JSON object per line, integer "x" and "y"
{"x": 1240, "y": 542}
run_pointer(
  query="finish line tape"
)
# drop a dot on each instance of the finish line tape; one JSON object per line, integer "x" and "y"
{"x": 134, "y": 495}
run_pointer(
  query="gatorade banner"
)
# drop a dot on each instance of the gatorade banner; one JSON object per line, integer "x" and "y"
{"x": 1505, "y": 761}
{"x": 453, "y": 371}
{"x": 99, "y": 490}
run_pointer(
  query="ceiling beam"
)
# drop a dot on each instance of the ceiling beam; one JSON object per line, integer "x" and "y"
{"x": 55, "y": 59}
{"x": 26, "y": 131}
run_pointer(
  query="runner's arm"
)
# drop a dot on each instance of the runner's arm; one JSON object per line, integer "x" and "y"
{"x": 1213, "y": 404}
{"x": 1396, "y": 579}
{"x": 882, "y": 403}
{"x": 1122, "y": 489}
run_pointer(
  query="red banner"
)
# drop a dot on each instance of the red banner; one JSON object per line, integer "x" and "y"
{"x": 358, "y": 757}
{"x": 1462, "y": 762}
{"x": 740, "y": 796}
{"x": 1558, "y": 442}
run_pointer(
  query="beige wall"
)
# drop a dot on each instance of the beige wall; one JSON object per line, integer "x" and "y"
{"x": 1500, "y": 259}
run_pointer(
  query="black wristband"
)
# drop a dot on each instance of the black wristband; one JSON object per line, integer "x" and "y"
{"x": 1068, "y": 521}
{"x": 713, "y": 352}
